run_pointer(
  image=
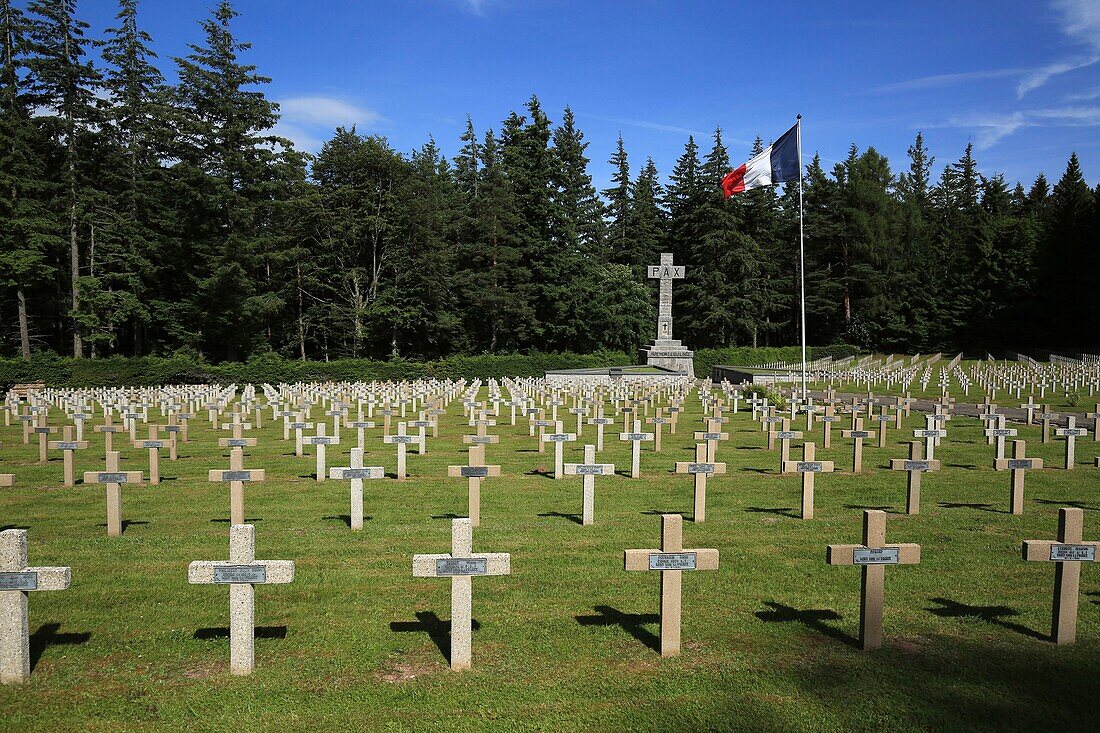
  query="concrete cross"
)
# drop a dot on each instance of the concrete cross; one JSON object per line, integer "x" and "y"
{"x": 701, "y": 468}
{"x": 1047, "y": 417}
{"x": 1018, "y": 464}
{"x": 241, "y": 573}
{"x": 914, "y": 466}
{"x": 320, "y": 440}
{"x": 559, "y": 439}
{"x": 1067, "y": 553}
{"x": 43, "y": 432}
{"x": 589, "y": 470}
{"x": 600, "y": 421}
{"x": 711, "y": 436}
{"x": 656, "y": 421}
{"x": 474, "y": 472}
{"x": 808, "y": 467}
{"x": 113, "y": 478}
{"x": 236, "y": 476}
{"x": 356, "y": 473}
{"x": 635, "y": 439}
{"x": 402, "y": 441}
{"x": 360, "y": 427}
{"x": 998, "y": 433}
{"x": 153, "y": 444}
{"x": 786, "y": 435}
{"x": 1070, "y": 432}
{"x": 858, "y": 434}
{"x": 827, "y": 421}
{"x": 69, "y": 447}
{"x": 671, "y": 561}
{"x": 930, "y": 434}
{"x": 16, "y": 582}
{"x": 872, "y": 556}
{"x": 1095, "y": 417}
{"x": 298, "y": 426}
{"x": 882, "y": 418}
{"x": 460, "y": 566}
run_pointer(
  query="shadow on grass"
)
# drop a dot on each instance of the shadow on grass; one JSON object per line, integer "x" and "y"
{"x": 448, "y": 515}
{"x": 811, "y": 618}
{"x": 969, "y": 505}
{"x": 574, "y": 518}
{"x": 248, "y": 520}
{"x": 1066, "y": 502}
{"x": 888, "y": 509}
{"x": 660, "y": 512}
{"x": 345, "y": 518}
{"x": 756, "y": 470}
{"x": 47, "y": 635}
{"x": 222, "y": 632}
{"x": 967, "y": 466}
{"x": 1094, "y": 594}
{"x": 14, "y": 526}
{"x": 750, "y": 447}
{"x": 125, "y": 524}
{"x": 990, "y": 614}
{"x": 782, "y": 511}
{"x": 631, "y": 623}
{"x": 541, "y": 472}
{"x": 438, "y": 630}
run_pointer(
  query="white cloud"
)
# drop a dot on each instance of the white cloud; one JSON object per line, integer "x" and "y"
{"x": 311, "y": 119}
{"x": 1084, "y": 96}
{"x": 938, "y": 81}
{"x": 989, "y": 129}
{"x": 1079, "y": 20}
{"x": 1038, "y": 77}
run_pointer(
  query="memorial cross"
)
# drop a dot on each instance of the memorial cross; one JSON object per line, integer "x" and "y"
{"x": 635, "y": 439}
{"x": 474, "y": 472}
{"x": 712, "y": 435}
{"x": 402, "y": 441}
{"x": 588, "y": 471}
{"x": 153, "y": 444}
{"x": 320, "y": 440}
{"x": 298, "y": 426}
{"x": 1047, "y": 417}
{"x": 113, "y": 478}
{"x": 786, "y": 435}
{"x": 671, "y": 561}
{"x": 559, "y": 439}
{"x": 600, "y": 421}
{"x": 701, "y": 468}
{"x": 356, "y": 473}
{"x": 1018, "y": 464}
{"x": 1070, "y": 432}
{"x": 827, "y": 421}
{"x": 858, "y": 434}
{"x": 872, "y": 556}
{"x": 69, "y": 448}
{"x": 914, "y": 465}
{"x": 242, "y": 573}
{"x": 1095, "y": 417}
{"x": 998, "y": 433}
{"x": 808, "y": 467}
{"x": 236, "y": 476}
{"x": 1067, "y": 554}
{"x": 656, "y": 421}
{"x": 43, "y": 431}
{"x": 460, "y": 566}
{"x": 17, "y": 581}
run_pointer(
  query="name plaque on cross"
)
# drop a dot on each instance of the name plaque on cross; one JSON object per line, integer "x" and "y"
{"x": 228, "y": 574}
{"x": 474, "y": 471}
{"x": 700, "y": 468}
{"x": 1073, "y": 553}
{"x": 236, "y": 475}
{"x": 592, "y": 470}
{"x": 111, "y": 478}
{"x": 909, "y": 465}
{"x": 352, "y": 473}
{"x": 461, "y": 566}
{"x": 237, "y": 442}
{"x": 876, "y": 556}
{"x": 19, "y": 581}
{"x": 67, "y": 445}
{"x": 672, "y": 561}
{"x": 807, "y": 466}
{"x": 1018, "y": 463}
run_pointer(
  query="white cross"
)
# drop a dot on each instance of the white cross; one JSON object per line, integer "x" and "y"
{"x": 16, "y": 581}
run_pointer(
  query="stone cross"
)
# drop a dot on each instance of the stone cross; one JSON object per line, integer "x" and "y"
{"x": 320, "y": 440}
{"x": 700, "y": 468}
{"x": 69, "y": 446}
{"x": 460, "y": 566}
{"x": 656, "y": 421}
{"x": 108, "y": 431}
{"x": 1095, "y": 417}
{"x": 236, "y": 476}
{"x": 858, "y": 434}
{"x": 114, "y": 479}
{"x": 671, "y": 561}
{"x": 474, "y": 472}
{"x": 827, "y": 421}
{"x": 559, "y": 439}
{"x": 356, "y": 473}
{"x": 153, "y": 444}
{"x": 402, "y": 441}
{"x": 1018, "y": 465}
{"x": 298, "y": 426}
{"x": 589, "y": 470}
{"x": 914, "y": 466}
{"x": 241, "y": 573}
{"x": 882, "y": 419}
{"x": 786, "y": 435}
{"x": 1031, "y": 407}
{"x": 1047, "y": 417}
{"x": 712, "y": 435}
{"x": 635, "y": 439}
{"x": 808, "y": 467}
{"x": 422, "y": 424}
{"x": 665, "y": 272}
{"x": 872, "y": 556}
{"x": 930, "y": 435}
{"x": 1070, "y": 433}
{"x": 998, "y": 433}
{"x": 1067, "y": 553}
{"x": 600, "y": 421}
{"x": 16, "y": 582}
{"x": 360, "y": 427}
{"x": 43, "y": 431}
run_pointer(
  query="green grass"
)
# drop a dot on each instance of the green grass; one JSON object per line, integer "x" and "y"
{"x": 565, "y": 642}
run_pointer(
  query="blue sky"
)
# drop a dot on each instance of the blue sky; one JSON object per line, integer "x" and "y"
{"x": 1021, "y": 80}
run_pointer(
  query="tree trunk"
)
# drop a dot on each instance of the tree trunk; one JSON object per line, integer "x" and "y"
{"x": 24, "y": 331}
{"x": 301, "y": 317}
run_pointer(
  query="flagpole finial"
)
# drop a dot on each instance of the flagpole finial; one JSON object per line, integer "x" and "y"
{"x": 798, "y": 117}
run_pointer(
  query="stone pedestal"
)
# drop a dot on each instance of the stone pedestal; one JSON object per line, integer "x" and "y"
{"x": 670, "y": 354}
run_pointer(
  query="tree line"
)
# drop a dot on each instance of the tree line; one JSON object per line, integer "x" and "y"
{"x": 140, "y": 217}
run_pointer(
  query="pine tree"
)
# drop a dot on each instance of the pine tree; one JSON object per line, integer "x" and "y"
{"x": 618, "y": 208}
{"x": 65, "y": 83}
{"x": 578, "y": 222}
{"x": 647, "y": 222}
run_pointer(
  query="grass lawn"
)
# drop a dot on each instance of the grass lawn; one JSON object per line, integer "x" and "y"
{"x": 568, "y": 641}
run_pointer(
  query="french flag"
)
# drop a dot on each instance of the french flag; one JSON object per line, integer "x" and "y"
{"x": 778, "y": 163}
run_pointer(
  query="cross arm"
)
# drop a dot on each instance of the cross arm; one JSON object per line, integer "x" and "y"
{"x": 705, "y": 435}
{"x": 349, "y": 473}
{"x": 52, "y": 578}
{"x": 598, "y": 469}
{"x": 910, "y": 464}
{"x": 693, "y": 467}
{"x": 1003, "y": 464}
{"x": 236, "y": 442}
{"x": 1040, "y": 550}
{"x": 128, "y": 477}
{"x": 201, "y": 572}
{"x": 705, "y": 559}
{"x": 908, "y": 553}
{"x": 67, "y": 444}
{"x": 456, "y": 471}
{"x": 793, "y": 466}
{"x": 496, "y": 563}
{"x": 248, "y": 474}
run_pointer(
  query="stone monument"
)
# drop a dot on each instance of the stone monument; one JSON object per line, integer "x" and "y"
{"x": 665, "y": 351}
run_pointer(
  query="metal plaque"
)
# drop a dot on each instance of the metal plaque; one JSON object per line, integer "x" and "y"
{"x": 474, "y": 471}
{"x": 672, "y": 561}
{"x": 807, "y": 466}
{"x": 152, "y": 444}
{"x": 403, "y": 439}
{"x": 788, "y": 434}
{"x": 172, "y": 428}
{"x": 481, "y": 439}
{"x": 700, "y": 468}
{"x": 321, "y": 440}
{"x": 237, "y": 442}
{"x": 236, "y": 475}
{"x": 712, "y": 436}
{"x": 68, "y": 445}
{"x": 357, "y": 473}
{"x": 876, "y": 556}
{"x": 557, "y": 437}
{"x": 360, "y": 424}
{"x": 915, "y": 465}
{"x": 19, "y": 581}
{"x": 859, "y": 434}
{"x": 298, "y": 425}
{"x": 1001, "y": 432}
{"x": 1070, "y": 553}
{"x": 1018, "y": 463}
{"x": 240, "y": 574}
{"x": 634, "y": 436}
{"x": 461, "y": 566}
{"x": 827, "y": 418}
{"x": 112, "y": 478}
{"x": 420, "y": 424}
{"x": 592, "y": 469}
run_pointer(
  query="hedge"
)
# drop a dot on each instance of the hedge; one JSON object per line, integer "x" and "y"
{"x": 115, "y": 371}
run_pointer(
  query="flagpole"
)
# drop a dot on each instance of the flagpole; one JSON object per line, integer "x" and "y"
{"x": 801, "y": 255}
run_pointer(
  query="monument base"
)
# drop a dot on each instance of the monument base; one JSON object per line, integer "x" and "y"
{"x": 669, "y": 354}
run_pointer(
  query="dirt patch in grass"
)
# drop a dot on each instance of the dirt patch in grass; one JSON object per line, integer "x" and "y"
{"x": 204, "y": 670}
{"x": 407, "y": 667}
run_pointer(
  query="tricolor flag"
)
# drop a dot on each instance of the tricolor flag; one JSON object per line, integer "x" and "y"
{"x": 778, "y": 163}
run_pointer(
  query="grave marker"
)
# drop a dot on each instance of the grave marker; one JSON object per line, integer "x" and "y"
{"x": 808, "y": 467}
{"x": 113, "y": 478}
{"x": 357, "y": 473}
{"x": 701, "y": 469}
{"x": 17, "y": 581}
{"x": 1018, "y": 464}
{"x": 1067, "y": 553}
{"x": 635, "y": 439}
{"x": 914, "y": 466}
{"x": 236, "y": 476}
{"x": 474, "y": 472}
{"x": 589, "y": 470}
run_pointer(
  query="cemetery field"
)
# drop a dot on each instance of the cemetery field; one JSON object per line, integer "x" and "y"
{"x": 569, "y": 640}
